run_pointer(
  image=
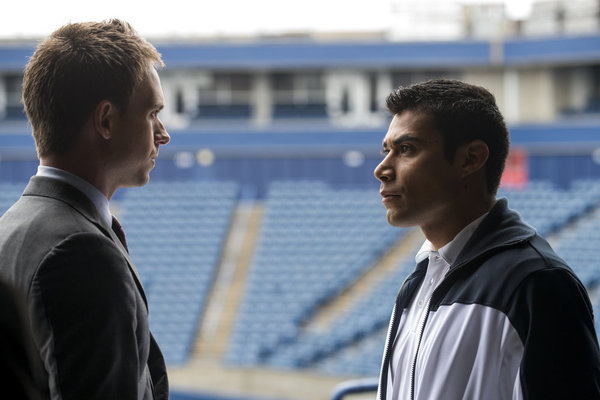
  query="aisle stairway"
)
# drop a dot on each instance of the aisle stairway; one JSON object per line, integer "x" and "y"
{"x": 224, "y": 300}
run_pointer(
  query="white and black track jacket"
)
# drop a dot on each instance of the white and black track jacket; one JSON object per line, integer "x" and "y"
{"x": 509, "y": 321}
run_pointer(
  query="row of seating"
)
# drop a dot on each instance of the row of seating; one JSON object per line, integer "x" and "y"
{"x": 176, "y": 232}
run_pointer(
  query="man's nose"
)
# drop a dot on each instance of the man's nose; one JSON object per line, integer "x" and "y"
{"x": 383, "y": 172}
{"x": 162, "y": 137}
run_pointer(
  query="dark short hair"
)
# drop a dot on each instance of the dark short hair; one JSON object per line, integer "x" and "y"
{"x": 462, "y": 113}
{"x": 75, "y": 68}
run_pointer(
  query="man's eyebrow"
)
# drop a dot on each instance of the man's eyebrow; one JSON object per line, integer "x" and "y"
{"x": 401, "y": 139}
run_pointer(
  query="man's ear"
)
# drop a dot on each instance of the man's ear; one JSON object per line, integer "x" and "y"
{"x": 103, "y": 118}
{"x": 473, "y": 156}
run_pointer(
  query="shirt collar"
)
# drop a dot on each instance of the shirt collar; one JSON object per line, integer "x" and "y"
{"x": 452, "y": 249}
{"x": 95, "y": 195}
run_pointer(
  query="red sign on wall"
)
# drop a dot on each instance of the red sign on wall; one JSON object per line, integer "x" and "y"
{"x": 516, "y": 172}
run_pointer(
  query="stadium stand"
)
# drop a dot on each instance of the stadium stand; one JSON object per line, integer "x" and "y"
{"x": 352, "y": 344}
{"x": 175, "y": 235}
{"x": 578, "y": 244}
{"x": 549, "y": 209}
{"x": 314, "y": 243}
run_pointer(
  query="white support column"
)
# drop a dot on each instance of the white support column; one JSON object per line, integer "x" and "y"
{"x": 385, "y": 86}
{"x": 511, "y": 95}
{"x": 360, "y": 97}
{"x": 261, "y": 99}
{"x": 581, "y": 85}
{"x": 539, "y": 95}
{"x": 333, "y": 94}
{"x": 190, "y": 85}
{"x": 3, "y": 97}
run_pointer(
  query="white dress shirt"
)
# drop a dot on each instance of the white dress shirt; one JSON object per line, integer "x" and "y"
{"x": 91, "y": 191}
{"x": 413, "y": 317}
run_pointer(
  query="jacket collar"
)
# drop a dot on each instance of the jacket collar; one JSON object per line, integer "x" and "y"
{"x": 500, "y": 228}
{"x": 59, "y": 190}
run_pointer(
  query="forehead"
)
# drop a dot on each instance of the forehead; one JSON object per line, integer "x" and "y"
{"x": 410, "y": 125}
{"x": 148, "y": 93}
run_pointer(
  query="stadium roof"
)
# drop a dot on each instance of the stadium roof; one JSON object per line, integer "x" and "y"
{"x": 302, "y": 54}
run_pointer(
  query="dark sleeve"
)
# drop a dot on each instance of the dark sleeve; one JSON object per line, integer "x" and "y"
{"x": 19, "y": 373}
{"x": 88, "y": 310}
{"x": 561, "y": 359}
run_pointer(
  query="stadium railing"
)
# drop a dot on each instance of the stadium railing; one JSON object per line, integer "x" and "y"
{"x": 355, "y": 386}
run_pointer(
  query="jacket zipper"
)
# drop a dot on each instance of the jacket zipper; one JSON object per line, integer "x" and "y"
{"x": 422, "y": 327}
{"x": 414, "y": 365}
{"x": 385, "y": 351}
{"x": 390, "y": 340}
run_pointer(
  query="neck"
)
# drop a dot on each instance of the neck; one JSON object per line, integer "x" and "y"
{"x": 83, "y": 166}
{"x": 444, "y": 229}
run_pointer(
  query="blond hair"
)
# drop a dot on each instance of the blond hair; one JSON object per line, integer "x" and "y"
{"x": 75, "y": 68}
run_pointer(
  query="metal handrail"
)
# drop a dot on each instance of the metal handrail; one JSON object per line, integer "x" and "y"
{"x": 354, "y": 386}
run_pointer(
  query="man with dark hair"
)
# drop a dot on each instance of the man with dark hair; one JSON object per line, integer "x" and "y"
{"x": 490, "y": 312}
{"x": 92, "y": 94}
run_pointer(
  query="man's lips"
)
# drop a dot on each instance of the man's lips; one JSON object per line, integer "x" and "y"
{"x": 388, "y": 195}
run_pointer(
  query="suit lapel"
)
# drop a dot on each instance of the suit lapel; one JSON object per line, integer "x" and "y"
{"x": 125, "y": 254}
{"x": 56, "y": 189}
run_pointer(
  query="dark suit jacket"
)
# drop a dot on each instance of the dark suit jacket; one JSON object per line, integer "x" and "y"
{"x": 86, "y": 304}
{"x": 20, "y": 371}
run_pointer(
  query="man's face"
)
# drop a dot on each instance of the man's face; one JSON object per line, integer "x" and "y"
{"x": 139, "y": 133}
{"x": 418, "y": 184}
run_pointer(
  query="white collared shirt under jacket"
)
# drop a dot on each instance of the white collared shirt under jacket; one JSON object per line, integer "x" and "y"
{"x": 413, "y": 318}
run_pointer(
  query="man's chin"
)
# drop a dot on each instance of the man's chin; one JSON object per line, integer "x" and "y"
{"x": 398, "y": 221}
{"x": 138, "y": 181}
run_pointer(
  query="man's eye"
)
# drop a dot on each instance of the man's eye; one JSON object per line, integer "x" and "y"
{"x": 384, "y": 152}
{"x": 404, "y": 148}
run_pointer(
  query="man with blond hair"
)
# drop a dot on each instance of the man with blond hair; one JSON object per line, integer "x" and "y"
{"x": 92, "y": 94}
